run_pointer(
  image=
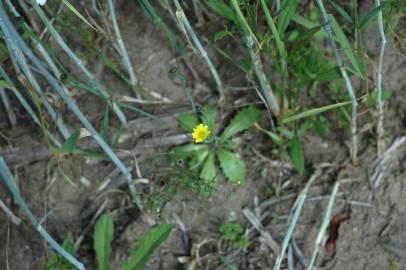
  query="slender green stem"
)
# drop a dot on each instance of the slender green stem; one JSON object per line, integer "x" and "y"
{"x": 267, "y": 92}
{"x": 380, "y": 129}
{"x": 120, "y": 42}
{"x": 184, "y": 23}
{"x": 340, "y": 63}
{"x": 279, "y": 44}
{"x": 7, "y": 178}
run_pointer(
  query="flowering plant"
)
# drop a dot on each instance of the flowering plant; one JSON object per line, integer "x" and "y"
{"x": 201, "y": 155}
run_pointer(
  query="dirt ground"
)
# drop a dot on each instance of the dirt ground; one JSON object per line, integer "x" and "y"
{"x": 374, "y": 236}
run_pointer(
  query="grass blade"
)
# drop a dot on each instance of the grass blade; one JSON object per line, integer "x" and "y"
{"x": 324, "y": 225}
{"x": 102, "y": 238}
{"x": 286, "y": 15}
{"x": 342, "y": 11}
{"x": 313, "y": 112}
{"x": 345, "y": 44}
{"x": 150, "y": 241}
{"x": 293, "y": 220}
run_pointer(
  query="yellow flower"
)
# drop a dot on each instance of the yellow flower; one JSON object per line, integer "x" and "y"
{"x": 200, "y": 133}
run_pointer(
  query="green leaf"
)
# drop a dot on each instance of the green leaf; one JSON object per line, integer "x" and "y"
{"x": 209, "y": 115}
{"x": 306, "y": 23}
{"x": 105, "y": 129}
{"x": 233, "y": 167}
{"x": 345, "y": 44}
{"x": 209, "y": 169}
{"x": 221, "y": 9}
{"x": 69, "y": 246}
{"x": 242, "y": 121}
{"x": 312, "y": 112}
{"x": 150, "y": 241}
{"x": 198, "y": 158}
{"x": 6, "y": 84}
{"x": 372, "y": 14}
{"x": 297, "y": 154}
{"x": 69, "y": 145}
{"x": 342, "y": 11}
{"x": 286, "y": 15}
{"x": 188, "y": 121}
{"x": 102, "y": 237}
{"x": 188, "y": 150}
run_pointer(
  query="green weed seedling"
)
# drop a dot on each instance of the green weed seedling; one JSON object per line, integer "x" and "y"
{"x": 233, "y": 234}
{"x": 201, "y": 155}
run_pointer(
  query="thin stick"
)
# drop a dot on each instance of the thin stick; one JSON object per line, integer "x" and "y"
{"x": 340, "y": 63}
{"x": 184, "y": 24}
{"x": 380, "y": 129}
{"x": 324, "y": 225}
{"x": 9, "y": 182}
{"x": 123, "y": 50}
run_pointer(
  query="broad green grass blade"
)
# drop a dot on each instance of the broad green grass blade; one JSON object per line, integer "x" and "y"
{"x": 150, "y": 241}
{"x": 312, "y": 112}
{"x": 286, "y": 15}
{"x": 342, "y": 11}
{"x": 68, "y": 146}
{"x": 102, "y": 238}
{"x": 304, "y": 21}
{"x": 372, "y": 14}
{"x": 222, "y": 9}
{"x": 278, "y": 41}
{"x": 345, "y": 44}
{"x": 296, "y": 153}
